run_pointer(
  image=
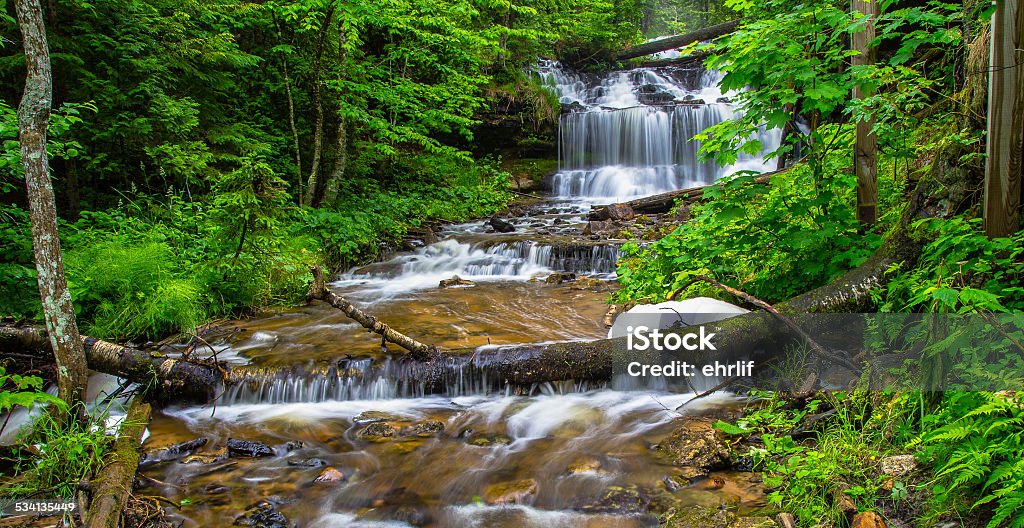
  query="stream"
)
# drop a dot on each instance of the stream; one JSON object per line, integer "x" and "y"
{"x": 546, "y": 455}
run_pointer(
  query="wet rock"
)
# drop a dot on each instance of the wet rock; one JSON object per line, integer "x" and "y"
{"x": 619, "y": 499}
{"x": 744, "y": 464}
{"x": 754, "y": 522}
{"x": 263, "y": 514}
{"x": 484, "y": 440}
{"x": 898, "y": 466}
{"x": 585, "y": 465}
{"x": 248, "y": 448}
{"x": 367, "y": 417}
{"x": 696, "y": 446}
{"x": 330, "y": 474}
{"x": 456, "y": 282}
{"x": 378, "y": 432}
{"x": 560, "y": 277}
{"x": 174, "y": 451}
{"x": 428, "y": 428}
{"x": 598, "y": 227}
{"x": 517, "y": 492}
{"x": 723, "y": 100}
{"x": 655, "y": 99}
{"x": 867, "y": 520}
{"x": 206, "y": 458}
{"x": 307, "y": 462}
{"x": 590, "y": 284}
{"x": 500, "y": 225}
{"x": 616, "y": 211}
{"x": 786, "y": 520}
{"x": 293, "y": 445}
{"x": 648, "y": 89}
{"x": 710, "y": 484}
{"x": 573, "y": 107}
{"x": 674, "y": 483}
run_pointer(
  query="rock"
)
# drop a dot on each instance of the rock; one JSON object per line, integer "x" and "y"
{"x": 307, "y": 462}
{"x": 590, "y": 284}
{"x": 898, "y": 466}
{"x": 263, "y": 514}
{"x": 174, "y": 451}
{"x": 842, "y": 501}
{"x": 616, "y": 211}
{"x": 293, "y": 445}
{"x": 501, "y": 226}
{"x": 428, "y": 428}
{"x": 517, "y": 492}
{"x": 754, "y": 522}
{"x": 695, "y": 445}
{"x": 484, "y": 440}
{"x": 723, "y": 100}
{"x": 206, "y": 458}
{"x": 618, "y": 499}
{"x": 710, "y": 484}
{"x": 655, "y": 99}
{"x": 648, "y": 89}
{"x": 585, "y": 465}
{"x": 367, "y": 417}
{"x": 248, "y": 448}
{"x": 575, "y": 106}
{"x": 697, "y": 517}
{"x": 786, "y": 520}
{"x": 329, "y": 474}
{"x": 456, "y": 282}
{"x": 377, "y": 432}
{"x": 560, "y": 277}
{"x": 598, "y": 227}
{"x": 690, "y": 100}
{"x": 867, "y": 520}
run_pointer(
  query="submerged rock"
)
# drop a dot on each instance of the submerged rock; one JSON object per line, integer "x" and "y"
{"x": 248, "y": 448}
{"x": 484, "y": 440}
{"x": 378, "y": 432}
{"x": 174, "y": 451}
{"x": 456, "y": 282}
{"x": 307, "y": 462}
{"x": 206, "y": 458}
{"x": 696, "y": 447}
{"x": 517, "y": 492}
{"x": 330, "y": 474}
{"x": 618, "y": 499}
{"x": 428, "y": 428}
{"x": 366, "y": 417}
{"x": 263, "y": 514}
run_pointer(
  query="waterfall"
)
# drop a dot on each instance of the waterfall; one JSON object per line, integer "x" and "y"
{"x": 631, "y": 134}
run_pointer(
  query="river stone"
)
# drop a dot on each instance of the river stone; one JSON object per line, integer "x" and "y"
{"x": 206, "y": 458}
{"x": 367, "y": 417}
{"x": 307, "y": 462}
{"x": 378, "y": 432}
{"x": 689, "y": 312}
{"x": 428, "y": 428}
{"x": 330, "y": 474}
{"x": 590, "y": 284}
{"x": 867, "y": 520}
{"x": 696, "y": 447}
{"x": 560, "y": 277}
{"x": 899, "y": 465}
{"x": 263, "y": 514}
{"x": 456, "y": 282}
{"x": 248, "y": 448}
{"x": 500, "y": 225}
{"x": 484, "y": 440}
{"x": 600, "y": 227}
{"x": 517, "y": 492}
{"x": 585, "y": 465}
{"x": 618, "y": 499}
{"x": 174, "y": 451}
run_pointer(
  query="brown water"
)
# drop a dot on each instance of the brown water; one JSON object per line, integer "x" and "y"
{"x": 549, "y": 455}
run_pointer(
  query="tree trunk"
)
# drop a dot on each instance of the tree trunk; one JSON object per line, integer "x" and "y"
{"x": 341, "y": 145}
{"x": 295, "y": 130}
{"x": 113, "y": 483}
{"x": 33, "y": 120}
{"x": 1005, "y": 146}
{"x": 312, "y": 185}
{"x": 664, "y": 202}
{"x": 677, "y": 41}
{"x": 865, "y": 153}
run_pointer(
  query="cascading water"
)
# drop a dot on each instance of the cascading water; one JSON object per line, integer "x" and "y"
{"x": 631, "y": 134}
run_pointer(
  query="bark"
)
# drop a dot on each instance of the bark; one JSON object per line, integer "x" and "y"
{"x": 692, "y": 59}
{"x": 677, "y": 41}
{"x": 172, "y": 378}
{"x": 1005, "y": 146}
{"x": 865, "y": 152}
{"x": 295, "y": 130}
{"x": 341, "y": 145}
{"x": 113, "y": 483}
{"x": 312, "y": 185}
{"x": 33, "y": 120}
{"x": 319, "y": 291}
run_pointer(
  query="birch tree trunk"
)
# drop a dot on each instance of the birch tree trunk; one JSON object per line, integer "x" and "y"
{"x": 1005, "y": 147}
{"x": 33, "y": 120}
{"x": 341, "y": 145}
{"x": 313, "y": 184}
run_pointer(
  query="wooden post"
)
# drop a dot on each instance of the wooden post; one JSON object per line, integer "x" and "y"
{"x": 1005, "y": 146}
{"x": 33, "y": 122}
{"x": 865, "y": 154}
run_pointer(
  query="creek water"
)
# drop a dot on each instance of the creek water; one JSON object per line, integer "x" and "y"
{"x": 479, "y": 454}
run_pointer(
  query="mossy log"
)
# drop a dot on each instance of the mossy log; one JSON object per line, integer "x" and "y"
{"x": 113, "y": 483}
{"x": 677, "y": 41}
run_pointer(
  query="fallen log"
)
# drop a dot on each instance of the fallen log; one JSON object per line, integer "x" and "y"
{"x": 171, "y": 377}
{"x": 664, "y": 202}
{"x": 677, "y": 41}
{"x": 113, "y": 483}
{"x": 686, "y": 60}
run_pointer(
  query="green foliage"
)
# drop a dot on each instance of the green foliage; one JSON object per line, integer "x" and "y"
{"x": 23, "y": 391}
{"x": 976, "y": 443}
{"x": 773, "y": 241}
{"x": 960, "y": 271}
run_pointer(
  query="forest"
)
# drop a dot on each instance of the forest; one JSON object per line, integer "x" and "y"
{"x": 319, "y": 263}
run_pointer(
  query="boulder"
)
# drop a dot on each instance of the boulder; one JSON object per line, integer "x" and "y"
{"x": 500, "y": 225}
{"x": 377, "y": 432}
{"x": 263, "y": 514}
{"x": 517, "y": 492}
{"x": 616, "y": 211}
{"x": 428, "y": 428}
{"x": 600, "y": 227}
{"x": 560, "y": 277}
{"x": 248, "y": 448}
{"x": 696, "y": 447}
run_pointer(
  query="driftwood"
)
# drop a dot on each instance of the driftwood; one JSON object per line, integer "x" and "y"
{"x": 113, "y": 483}
{"x": 677, "y": 41}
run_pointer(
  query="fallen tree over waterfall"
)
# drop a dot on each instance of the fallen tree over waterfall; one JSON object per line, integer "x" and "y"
{"x": 677, "y": 41}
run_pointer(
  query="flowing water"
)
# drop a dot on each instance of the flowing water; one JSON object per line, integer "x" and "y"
{"x": 322, "y": 391}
